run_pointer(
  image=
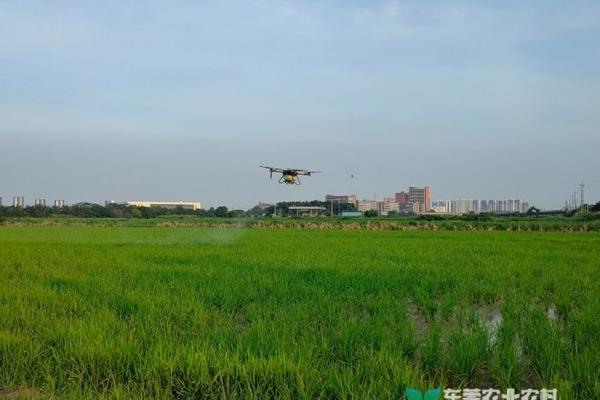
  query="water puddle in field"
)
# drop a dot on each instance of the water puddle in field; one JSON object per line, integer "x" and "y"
{"x": 552, "y": 313}
{"x": 491, "y": 317}
{"x": 417, "y": 316}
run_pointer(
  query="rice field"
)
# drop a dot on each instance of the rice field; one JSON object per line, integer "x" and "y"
{"x": 118, "y": 312}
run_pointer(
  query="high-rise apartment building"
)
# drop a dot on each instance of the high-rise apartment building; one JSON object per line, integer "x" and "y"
{"x": 500, "y": 206}
{"x": 59, "y": 203}
{"x": 420, "y": 196}
{"x": 461, "y": 206}
{"x": 40, "y": 202}
{"x": 18, "y": 201}
{"x": 510, "y": 206}
{"x": 401, "y": 198}
{"x": 483, "y": 206}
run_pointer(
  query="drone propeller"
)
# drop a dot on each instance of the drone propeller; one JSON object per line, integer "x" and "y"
{"x": 271, "y": 170}
{"x": 289, "y": 170}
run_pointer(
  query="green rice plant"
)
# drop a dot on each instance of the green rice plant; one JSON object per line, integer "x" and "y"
{"x": 128, "y": 309}
{"x": 467, "y": 349}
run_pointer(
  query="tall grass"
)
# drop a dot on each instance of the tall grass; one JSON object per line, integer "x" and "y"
{"x": 526, "y": 223}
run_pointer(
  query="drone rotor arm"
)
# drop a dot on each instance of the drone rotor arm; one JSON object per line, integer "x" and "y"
{"x": 306, "y": 172}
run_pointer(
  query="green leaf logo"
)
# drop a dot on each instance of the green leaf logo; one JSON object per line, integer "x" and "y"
{"x": 431, "y": 394}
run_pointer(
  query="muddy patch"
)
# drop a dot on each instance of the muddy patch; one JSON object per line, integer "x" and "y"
{"x": 22, "y": 393}
{"x": 240, "y": 320}
{"x": 420, "y": 322}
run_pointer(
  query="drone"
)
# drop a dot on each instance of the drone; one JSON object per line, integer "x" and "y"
{"x": 289, "y": 176}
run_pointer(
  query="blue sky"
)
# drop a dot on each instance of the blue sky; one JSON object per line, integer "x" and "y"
{"x": 183, "y": 100}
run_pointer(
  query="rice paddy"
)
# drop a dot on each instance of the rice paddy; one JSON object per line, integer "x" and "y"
{"x": 120, "y": 312}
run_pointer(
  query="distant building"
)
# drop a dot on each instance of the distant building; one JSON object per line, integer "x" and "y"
{"x": 440, "y": 206}
{"x": 367, "y": 205}
{"x": 188, "y": 205}
{"x": 18, "y": 201}
{"x": 59, "y": 203}
{"x": 346, "y": 198}
{"x": 264, "y": 206}
{"x": 510, "y": 206}
{"x": 40, "y": 202}
{"x": 503, "y": 206}
{"x": 483, "y": 206}
{"x": 461, "y": 206}
{"x": 420, "y": 196}
{"x": 409, "y": 208}
{"x": 307, "y": 211}
{"x": 0, "y": 201}
{"x": 389, "y": 206}
{"x": 401, "y": 198}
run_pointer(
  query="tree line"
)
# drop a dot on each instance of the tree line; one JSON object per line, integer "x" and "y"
{"x": 117, "y": 210}
{"x": 93, "y": 210}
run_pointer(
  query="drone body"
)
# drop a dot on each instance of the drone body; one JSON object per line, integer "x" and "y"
{"x": 289, "y": 176}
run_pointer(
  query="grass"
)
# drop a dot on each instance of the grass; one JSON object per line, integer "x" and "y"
{"x": 589, "y": 222}
{"x": 93, "y": 312}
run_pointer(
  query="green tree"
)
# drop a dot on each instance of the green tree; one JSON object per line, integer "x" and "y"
{"x": 221, "y": 212}
{"x": 371, "y": 213}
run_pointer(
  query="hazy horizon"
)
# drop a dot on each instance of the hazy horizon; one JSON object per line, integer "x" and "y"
{"x": 183, "y": 101}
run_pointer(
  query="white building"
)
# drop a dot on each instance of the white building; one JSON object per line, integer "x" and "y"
{"x": 190, "y": 205}
{"x": 441, "y": 206}
{"x": 461, "y": 206}
{"x": 366, "y": 205}
{"x": 389, "y": 206}
{"x": 18, "y": 201}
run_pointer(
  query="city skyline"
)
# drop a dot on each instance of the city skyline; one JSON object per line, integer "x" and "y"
{"x": 424, "y": 202}
{"x": 429, "y": 202}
